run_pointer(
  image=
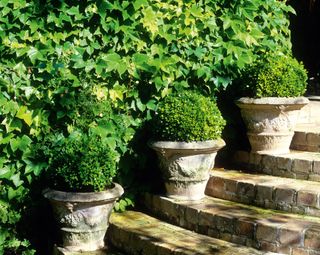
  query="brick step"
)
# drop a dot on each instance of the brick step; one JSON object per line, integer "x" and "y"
{"x": 137, "y": 233}
{"x": 306, "y": 138}
{"x": 296, "y": 164}
{"x": 262, "y": 229}
{"x": 290, "y": 195}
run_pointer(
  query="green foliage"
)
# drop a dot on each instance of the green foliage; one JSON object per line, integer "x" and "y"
{"x": 8, "y": 234}
{"x": 80, "y": 163}
{"x": 85, "y": 159}
{"x": 133, "y": 53}
{"x": 275, "y": 76}
{"x": 188, "y": 116}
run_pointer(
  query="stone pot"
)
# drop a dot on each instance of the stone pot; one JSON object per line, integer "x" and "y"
{"x": 185, "y": 166}
{"x": 83, "y": 217}
{"x": 270, "y": 122}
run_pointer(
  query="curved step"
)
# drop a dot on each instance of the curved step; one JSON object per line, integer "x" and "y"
{"x": 290, "y": 195}
{"x": 242, "y": 224}
{"x": 138, "y": 233}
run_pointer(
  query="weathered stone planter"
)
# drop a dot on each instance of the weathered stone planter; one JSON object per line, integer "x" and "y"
{"x": 83, "y": 218}
{"x": 185, "y": 166}
{"x": 270, "y": 122}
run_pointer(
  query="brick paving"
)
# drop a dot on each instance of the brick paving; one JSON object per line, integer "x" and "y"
{"x": 138, "y": 233}
{"x": 290, "y": 195}
{"x": 242, "y": 224}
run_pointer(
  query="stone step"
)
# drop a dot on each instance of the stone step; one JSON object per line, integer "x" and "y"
{"x": 306, "y": 138}
{"x": 262, "y": 229}
{"x": 296, "y": 164}
{"x": 139, "y": 234}
{"x": 309, "y": 114}
{"x": 290, "y": 195}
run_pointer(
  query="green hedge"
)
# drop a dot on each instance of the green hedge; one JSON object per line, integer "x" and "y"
{"x": 132, "y": 52}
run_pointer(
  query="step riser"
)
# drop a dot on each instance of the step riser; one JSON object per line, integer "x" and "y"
{"x": 270, "y": 196}
{"x": 309, "y": 114}
{"x": 304, "y": 141}
{"x": 276, "y": 235}
{"x": 288, "y": 165}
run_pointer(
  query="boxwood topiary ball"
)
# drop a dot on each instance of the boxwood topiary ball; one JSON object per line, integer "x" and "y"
{"x": 187, "y": 116}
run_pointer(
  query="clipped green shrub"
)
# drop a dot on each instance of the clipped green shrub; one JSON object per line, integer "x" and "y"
{"x": 83, "y": 156}
{"x": 275, "y": 76}
{"x": 80, "y": 163}
{"x": 187, "y": 116}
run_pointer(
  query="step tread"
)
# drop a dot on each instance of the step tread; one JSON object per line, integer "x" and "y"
{"x": 143, "y": 234}
{"x": 239, "y": 223}
{"x": 291, "y": 195}
{"x": 262, "y": 179}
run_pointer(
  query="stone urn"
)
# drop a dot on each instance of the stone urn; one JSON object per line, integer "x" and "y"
{"x": 83, "y": 218}
{"x": 270, "y": 122}
{"x": 185, "y": 166}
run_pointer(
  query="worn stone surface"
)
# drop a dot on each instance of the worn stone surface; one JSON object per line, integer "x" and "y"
{"x": 291, "y": 195}
{"x": 238, "y": 223}
{"x": 296, "y": 164}
{"x": 137, "y": 233}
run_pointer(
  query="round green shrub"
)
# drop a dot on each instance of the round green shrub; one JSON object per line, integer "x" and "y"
{"x": 83, "y": 158}
{"x": 80, "y": 163}
{"x": 275, "y": 76}
{"x": 187, "y": 116}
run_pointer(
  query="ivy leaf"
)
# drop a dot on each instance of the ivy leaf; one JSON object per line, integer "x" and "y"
{"x": 114, "y": 62}
{"x": 35, "y": 168}
{"x": 6, "y": 139}
{"x": 16, "y": 179}
{"x": 5, "y": 172}
{"x": 138, "y": 3}
{"x": 34, "y": 54}
{"x": 21, "y": 143}
{"x": 24, "y": 114}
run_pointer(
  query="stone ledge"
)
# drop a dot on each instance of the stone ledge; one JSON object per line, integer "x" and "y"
{"x": 306, "y": 138}
{"x": 296, "y": 164}
{"x": 290, "y": 195}
{"x": 245, "y": 225}
{"x": 138, "y": 233}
